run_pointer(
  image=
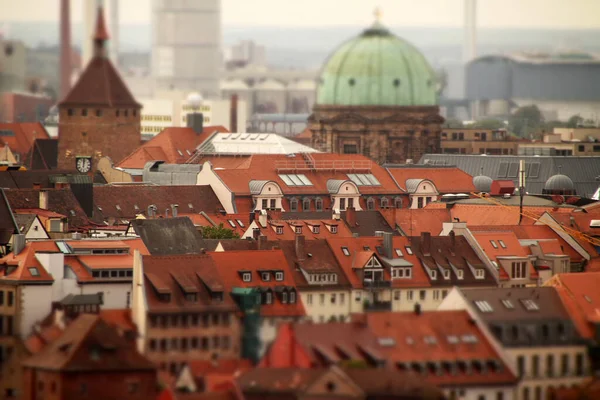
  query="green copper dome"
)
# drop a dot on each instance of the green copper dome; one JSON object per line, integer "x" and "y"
{"x": 377, "y": 68}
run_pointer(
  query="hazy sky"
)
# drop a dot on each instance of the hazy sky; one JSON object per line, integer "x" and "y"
{"x": 560, "y": 14}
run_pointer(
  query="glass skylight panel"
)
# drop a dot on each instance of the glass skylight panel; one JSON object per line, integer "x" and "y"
{"x": 508, "y": 304}
{"x": 296, "y": 180}
{"x": 484, "y": 306}
{"x": 363, "y": 180}
{"x": 452, "y": 339}
{"x": 469, "y": 338}
{"x": 286, "y": 180}
{"x": 304, "y": 180}
{"x": 231, "y": 223}
{"x": 530, "y": 305}
{"x": 63, "y": 247}
{"x": 371, "y": 178}
{"x": 354, "y": 179}
{"x": 345, "y": 251}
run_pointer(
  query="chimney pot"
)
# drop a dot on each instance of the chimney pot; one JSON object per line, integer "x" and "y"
{"x": 196, "y": 122}
{"x": 43, "y": 200}
{"x": 351, "y": 216}
{"x": 262, "y": 242}
{"x": 174, "y": 208}
{"x": 233, "y": 114}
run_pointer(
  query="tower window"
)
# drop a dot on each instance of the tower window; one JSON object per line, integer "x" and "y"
{"x": 84, "y": 134}
{"x": 134, "y": 112}
{"x": 125, "y": 113}
{"x": 70, "y": 112}
{"x": 117, "y": 113}
{"x": 396, "y": 82}
{"x": 98, "y": 113}
{"x": 84, "y": 112}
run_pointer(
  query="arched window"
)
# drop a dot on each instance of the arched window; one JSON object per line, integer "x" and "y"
{"x": 385, "y": 202}
{"x": 306, "y": 204}
{"x": 398, "y": 202}
{"x": 294, "y": 205}
{"x": 370, "y": 203}
{"x": 319, "y": 204}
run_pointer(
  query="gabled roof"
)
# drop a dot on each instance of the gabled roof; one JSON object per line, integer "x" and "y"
{"x": 230, "y": 267}
{"x": 24, "y": 267}
{"x": 367, "y": 222}
{"x": 8, "y": 224}
{"x": 89, "y": 344}
{"x": 20, "y": 137}
{"x": 61, "y": 201}
{"x": 445, "y": 179}
{"x": 195, "y": 274}
{"x": 437, "y": 337}
{"x": 581, "y": 297}
{"x": 168, "y": 236}
{"x": 490, "y": 243}
{"x": 307, "y": 227}
{"x": 43, "y": 155}
{"x": 413, "y": 222}
{"x": 125, "y": 202}
{"x": 355, "y": 247}
{"x": 550, "y": 306}
{"x": 174, "y": 145}
{"x": 449, "y": 252}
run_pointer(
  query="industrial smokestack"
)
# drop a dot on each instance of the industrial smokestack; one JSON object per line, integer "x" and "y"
{"x": 65, "y": 48}
{"x": 470, "y": 41}
{"x": 233, "y": 114}
{"x": 114, "y": 32}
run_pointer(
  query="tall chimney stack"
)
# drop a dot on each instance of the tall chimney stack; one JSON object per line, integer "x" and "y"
{"x": 233, "y": 114}
{"x": 65, "y": 48}
{"x": 470, "y": 40}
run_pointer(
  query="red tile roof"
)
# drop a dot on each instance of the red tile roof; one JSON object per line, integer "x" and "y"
{"x": 25, "y": 263}
{"x": 173, "y": 145}
{"x": 581, "y": 297}
{"x": 415, "y": 221}
{"x": 513, "y": 249}
{"x": 195, "y": 274}
{"x": 308, "y": 345}
{"x": 230, "y": 266}
{"x": 24, "y": 135}
{"x": 307, "y": 227}
{"x": 71, "y": 350}
{"x": 229, "y": 221}
{"x": 439, "y": 337}
{"x": 446, "y": 180}
{"x": 356, "y": 249}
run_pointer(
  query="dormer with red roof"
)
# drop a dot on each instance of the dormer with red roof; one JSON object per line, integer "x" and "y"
{"x": 99, "y": 116}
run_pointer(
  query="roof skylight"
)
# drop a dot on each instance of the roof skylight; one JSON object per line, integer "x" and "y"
{"x": 483, "y": 306}
{"x": 364, "y": 179}
{"x": 295, "y": 179}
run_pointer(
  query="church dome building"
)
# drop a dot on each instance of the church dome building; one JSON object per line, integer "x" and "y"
{"x": 377, "y": 96}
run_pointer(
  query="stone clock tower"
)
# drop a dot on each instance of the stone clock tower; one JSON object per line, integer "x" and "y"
{"x": 99, "y": 116}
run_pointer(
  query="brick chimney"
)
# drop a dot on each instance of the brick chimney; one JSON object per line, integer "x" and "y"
{"x": 351, "y": 217}
{"x": 233, "y": 114}
{"x": 388, "y": 244}
{"x": 452, "y": 238}
{"x": 262, "y": 242}
{"x": 300, "y": 247}
{"x": 426, "y": 243}
{"x": 196, "y": 122}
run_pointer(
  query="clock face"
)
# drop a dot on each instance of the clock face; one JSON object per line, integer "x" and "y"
{"x": 84, "y": 164}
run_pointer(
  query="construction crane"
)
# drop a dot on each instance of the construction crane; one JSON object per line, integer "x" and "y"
{"x": 527, "y": 214}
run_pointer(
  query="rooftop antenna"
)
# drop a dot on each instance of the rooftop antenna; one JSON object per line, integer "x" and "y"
{"x": 521, "y": 188}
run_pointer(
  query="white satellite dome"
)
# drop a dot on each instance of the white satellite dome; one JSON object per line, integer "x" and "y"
{"x": 194, "y": 99}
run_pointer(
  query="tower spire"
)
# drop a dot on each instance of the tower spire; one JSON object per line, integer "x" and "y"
{"x": 377, "y": 13}
{"x": 100, "y": 35}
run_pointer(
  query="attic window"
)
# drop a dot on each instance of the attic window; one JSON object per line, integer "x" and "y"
{"x": 231, "y": 223}
{"x": 530, "y": 305}
{"x": 479, "y": 273}
{"x": 279, "y": 230}
{"x": 246, "y": 276}
{"x": 34, "y": 271}
{"x": 494, "y": 245}
{"x": 316, "y": 229}
{"x": 345, "y": 251}
{"x": 398, "y": 252}
{"x": 333, "y": 228}
{"x": 502, "y": 244}
{"x": 278, "y": 276}
{"x": 118, "y": 207}
{"x": 460, "y": 274}
{"x": 265, "y": 276}
{"x": 240, "y": 223}
{"x": 484, "y": 306}
{"x": 446, "y": 274}
{"x": 433, "y": 274}
{"x": 408, "y": 250}
{"x": 298, "y": 229}
{"x": 508, "y": 304}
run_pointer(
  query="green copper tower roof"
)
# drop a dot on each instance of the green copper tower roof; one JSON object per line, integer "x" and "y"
{"x": 377, "y": 68}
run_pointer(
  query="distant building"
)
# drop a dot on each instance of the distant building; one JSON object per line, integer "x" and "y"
{"x": 24, "y": 107}
{"x": 99, "y": 117}
{"x": 186, "y": 51}
{"x": 561, "y": 85}
{"x": 477, "y": 141}
{"x": 13, "y": 66}
{"x": 377, "y": 96}
{"x": 248, "y": 52}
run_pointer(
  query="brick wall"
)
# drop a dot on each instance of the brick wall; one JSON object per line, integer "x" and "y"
{"x": 87, "y": 135}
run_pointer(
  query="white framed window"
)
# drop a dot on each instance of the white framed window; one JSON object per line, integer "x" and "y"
{"x": 433, "y": 274}
{"x": 265, "y": 276}
{"x": 298, "y": 229}
{"x": 502, "y": 244}
{"x": 293, "y": 297}
{"x": 345, "y": 251}
{"x": 436, "y": 294}
{"x": 333, "y": 228}
{"x": 246, "y": 276}
{"x": 279, "y": 230}
{"x": 316, "y": 229}
{"x": 278, "y": 276}
{"x": 494, "y": 245}
{"x": 446, "y": 274}
{"x": 479, "y": 273}
{"x": 268, "y": 298}
{"x": 460, "y": 274}
{"x": 284, "y": 297}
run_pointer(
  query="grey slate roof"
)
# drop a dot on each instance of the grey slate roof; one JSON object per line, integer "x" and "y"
{"x": 81, "y": 299}
{"x": 333, "y": 185}
{"x": 256, "y": 186}
{"x": 412, "y": 185}
{"x": 169, "y": 236}
{"x": 24, "y": 221}
{"x": 582, "y": 170}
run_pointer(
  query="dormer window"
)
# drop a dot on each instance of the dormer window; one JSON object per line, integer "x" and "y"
{"x": 265, "y": 276}
{"x": 193, "y": 297}
{"x": 319, "y": 204}
{"x": 385, "y": 202}
{"x": 479, "y": 273}
{"x": 433, "y": 274}
{"x": 446, "y": 274}
{"x": 268, "y": 298}
{"x": 333, "y": 228}
{"x": 284, "y": 297}
{"x": 278, "y": 276}
{"x": 293, "y": 205}
{"x": 298, "y": 230}
{"x": 164, "y": 297}
{"x": 279, "y": 230}
{"x": 460, "y": 274}
{"x": 316, "y": 229}
{"x": 306, "y": 205}
{"x": 292, "y": 297}
{"x": 246, "y": 276}
{"x": 345, "y": 251}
